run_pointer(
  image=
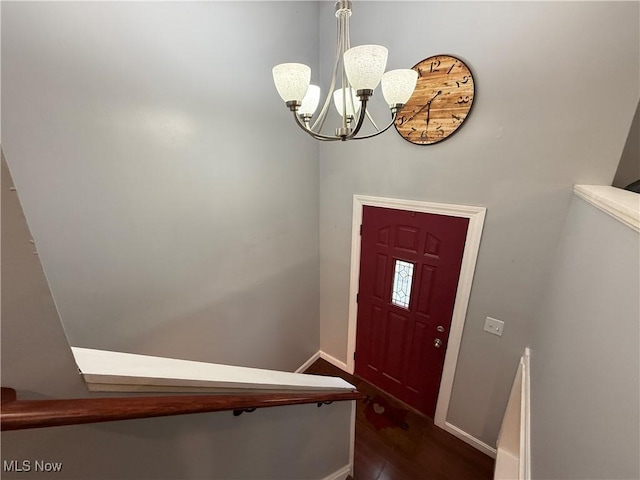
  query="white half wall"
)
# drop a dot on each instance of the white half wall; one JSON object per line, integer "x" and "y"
{"x": 585, "y": 352}
{"x": 125, "y": 370}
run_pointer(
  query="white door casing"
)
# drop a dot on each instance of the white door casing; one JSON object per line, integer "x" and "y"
{"x": 476, "y": 217}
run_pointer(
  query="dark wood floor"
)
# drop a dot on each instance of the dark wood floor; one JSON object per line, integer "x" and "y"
{"x": 406, "y": 445}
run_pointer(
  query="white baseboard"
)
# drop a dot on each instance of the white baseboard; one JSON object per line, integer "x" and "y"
{"x": 467, "y": 438}
{"x": 341, "y": 474}
{"x": 308, "y": 363}
{"x": 334, "y": 361}
{"x": 325, "y": 356}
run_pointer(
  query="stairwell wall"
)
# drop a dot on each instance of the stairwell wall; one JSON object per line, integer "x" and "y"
{"x": 174, "y": 212}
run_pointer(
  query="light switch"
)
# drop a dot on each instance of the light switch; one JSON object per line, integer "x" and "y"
{"x": 494, "y": 326}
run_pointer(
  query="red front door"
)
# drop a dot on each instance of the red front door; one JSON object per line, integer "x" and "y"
{"x": 409, "y": 268}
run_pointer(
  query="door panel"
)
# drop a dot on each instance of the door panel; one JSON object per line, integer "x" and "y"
{"x": 395, "y": 340}
{"x": 407, "y": 238}
{"x": 380, "y": 276}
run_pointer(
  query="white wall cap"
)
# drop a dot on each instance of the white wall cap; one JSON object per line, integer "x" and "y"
{"x": 622, "y": 205}
{"x": 120, "y": 369}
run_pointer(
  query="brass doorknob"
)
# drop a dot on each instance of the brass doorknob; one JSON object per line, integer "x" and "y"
{"x": 437, "y": 343}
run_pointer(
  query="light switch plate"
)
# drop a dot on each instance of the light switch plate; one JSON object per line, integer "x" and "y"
{"x": 494, "y": 326}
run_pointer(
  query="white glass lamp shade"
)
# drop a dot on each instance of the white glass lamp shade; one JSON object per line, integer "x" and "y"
{"x": 398, "y": 85}
{"x": 365, "y": 65}
{"x": 310, "y": 101}
{"x": 292, "y": 80}
{"x": 338, "y": 98}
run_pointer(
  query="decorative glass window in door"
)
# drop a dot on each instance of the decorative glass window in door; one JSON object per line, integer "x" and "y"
{"x": 402, "y": 280}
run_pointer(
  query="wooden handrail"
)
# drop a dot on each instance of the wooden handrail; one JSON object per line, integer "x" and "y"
{"x": 21, "y": 414}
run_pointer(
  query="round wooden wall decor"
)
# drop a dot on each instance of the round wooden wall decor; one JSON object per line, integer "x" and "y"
{"x": 440, "y": 103}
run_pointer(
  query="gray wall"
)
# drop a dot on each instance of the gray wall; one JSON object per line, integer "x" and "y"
{"x": 629, "y": 166}
{"x": 585, "y": 398}
{"x": 547, "y": 115}
{"x": 173, "y": 203}
{"x": 299, "y": 442}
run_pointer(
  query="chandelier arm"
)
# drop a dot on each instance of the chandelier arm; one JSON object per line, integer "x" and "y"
{"x": 315, "y": 135}
{"x": 348, "y": 34}
{"x": 373, "y": 122}
{"x": 327, "y": 103}
{"x": 363, "y": 105}
{"x": 363, "y": 113}
{"x": 345, "y": 82}
{"x": 325, "y": 108}
{"x": 393, "y": 120}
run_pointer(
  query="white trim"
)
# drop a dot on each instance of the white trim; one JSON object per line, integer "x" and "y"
{"x": 102, "y": 369}
{"x": 622, "y": 205}
{"x": 526, "y": 391}
{"x": 335, "y": 362}
{"x": 352, "y": 438}
{"x": 476, "y": 217}
{"x": 470, "y": 439}
{"x": 341, "y": 474}
{"x": 513, "y": 459}
{"x": 308, "y": 363}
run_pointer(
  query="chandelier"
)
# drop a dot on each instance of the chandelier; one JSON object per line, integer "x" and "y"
{"x": 358, "y": 71}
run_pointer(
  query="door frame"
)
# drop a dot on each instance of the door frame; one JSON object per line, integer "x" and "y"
{"x": 476, "y": 217}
